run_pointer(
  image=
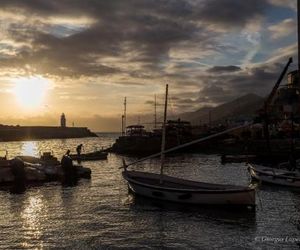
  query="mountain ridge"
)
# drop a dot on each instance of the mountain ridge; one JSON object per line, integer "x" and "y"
{"x": 245, "y": 106}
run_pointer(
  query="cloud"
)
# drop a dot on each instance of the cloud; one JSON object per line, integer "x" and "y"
{"x": 283, "y": 29}
{"x": 136, "y": 46}
{"x": 117, "y": 37}
{"x": 287, "y": 3}
{"x": 223, "y": 88}
{"x": 232, "y": 12}
{"x": 224, "y": 69}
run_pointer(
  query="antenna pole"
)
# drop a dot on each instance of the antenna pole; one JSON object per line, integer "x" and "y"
{"x": 163, "y": 139}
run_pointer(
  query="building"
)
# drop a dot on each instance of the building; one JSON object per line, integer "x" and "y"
{"x": 287, "y": 101}
{"x": 63, "y": 120}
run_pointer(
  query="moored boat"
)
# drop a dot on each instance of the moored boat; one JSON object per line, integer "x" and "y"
{"x": 32, "y": 169}
{"x": 93, "y": 156}
{"x": 187, "y": 191}
{"x": 166, "y": 188}
{"x": 275, "y": 176}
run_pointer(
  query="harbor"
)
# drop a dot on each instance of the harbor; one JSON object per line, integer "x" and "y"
{"x": 134, "y": 125}
{"x": 106, "y": 215}
{"x": 234, "y": 192}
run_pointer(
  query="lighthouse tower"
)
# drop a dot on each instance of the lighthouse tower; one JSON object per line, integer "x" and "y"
{"x": 63, "y": 120}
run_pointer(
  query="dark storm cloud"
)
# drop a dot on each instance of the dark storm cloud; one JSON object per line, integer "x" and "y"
{"x": 223, "y": 88}
{"x": 224, "y": 69}
{"x": 61, "y": 7}
{"x": 232, "y": 12}
{"x": 134, "y": 32}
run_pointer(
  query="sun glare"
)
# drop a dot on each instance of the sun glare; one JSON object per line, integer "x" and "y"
{"x": 30, "y": 92}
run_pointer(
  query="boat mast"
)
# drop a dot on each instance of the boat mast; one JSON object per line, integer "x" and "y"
{"x": 155, "y": 121}
{"x": 163, "y": 139}
{"x": 124, "y": 116}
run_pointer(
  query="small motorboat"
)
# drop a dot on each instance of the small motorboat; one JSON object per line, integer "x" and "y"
{"x": 49, "y": 166}
{"x": 14, "y": 170}
{"x": 275, "y": 176}
{"x": 46, "y": 159}
{"x": 93, "y": 156}
{"x": 23, "y": 170}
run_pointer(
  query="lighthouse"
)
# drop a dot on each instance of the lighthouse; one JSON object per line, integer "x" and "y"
{"x": 63, "y": 120}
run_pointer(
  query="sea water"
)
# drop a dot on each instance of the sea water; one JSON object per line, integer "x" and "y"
{"x": 101, "y": 214}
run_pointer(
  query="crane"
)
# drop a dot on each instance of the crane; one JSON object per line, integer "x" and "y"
{"x": 269, "y": 100}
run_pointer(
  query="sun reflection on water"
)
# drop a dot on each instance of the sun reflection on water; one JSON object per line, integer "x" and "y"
{"x": 30, "y": 148}
{"x": 32, "y": 216}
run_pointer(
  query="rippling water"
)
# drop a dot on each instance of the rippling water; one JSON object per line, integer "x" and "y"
{"x": 99, "y": 213}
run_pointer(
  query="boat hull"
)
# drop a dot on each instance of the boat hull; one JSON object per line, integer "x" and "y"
{"x": 274, "y": 176}
{"x": 237, "y": 158}
{"x": 95, "y": 156}
{"x": 195, "y": 196}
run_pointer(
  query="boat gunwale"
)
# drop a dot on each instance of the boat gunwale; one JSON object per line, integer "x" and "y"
{"x": 239, "y": 189}
{"x": 97, "y": 155}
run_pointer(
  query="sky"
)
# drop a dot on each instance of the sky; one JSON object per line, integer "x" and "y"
{"x": 83, "y": 57}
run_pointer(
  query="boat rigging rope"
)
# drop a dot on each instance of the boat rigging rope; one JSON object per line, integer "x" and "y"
{"x": 186, "y": 145}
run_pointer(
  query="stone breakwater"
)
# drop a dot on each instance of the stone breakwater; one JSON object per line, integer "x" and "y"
{"x": 18, "y": 133}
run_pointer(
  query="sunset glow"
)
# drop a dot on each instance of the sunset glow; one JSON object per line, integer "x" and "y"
{"x": 30, "y": 92}
{"x": 210, "y": 52}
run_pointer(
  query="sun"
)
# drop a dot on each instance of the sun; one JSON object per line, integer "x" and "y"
{"x": 30, "y": 92}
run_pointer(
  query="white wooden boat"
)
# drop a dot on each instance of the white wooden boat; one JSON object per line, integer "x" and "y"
{"x": 166, "y": 188}
{"x": 275, "y": 176}
{"x": 186, "y": 191}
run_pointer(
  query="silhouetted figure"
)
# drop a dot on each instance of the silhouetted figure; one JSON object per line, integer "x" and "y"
{"x": 78, "y": 149}
{"x": 69, "y": 170}
{"x": 18, "y": 170}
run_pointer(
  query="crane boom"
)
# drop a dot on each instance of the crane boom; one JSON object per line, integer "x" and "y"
{"x": 276, "y": 86}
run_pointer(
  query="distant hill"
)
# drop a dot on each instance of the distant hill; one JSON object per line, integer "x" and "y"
{"x": 242, "y": 107}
